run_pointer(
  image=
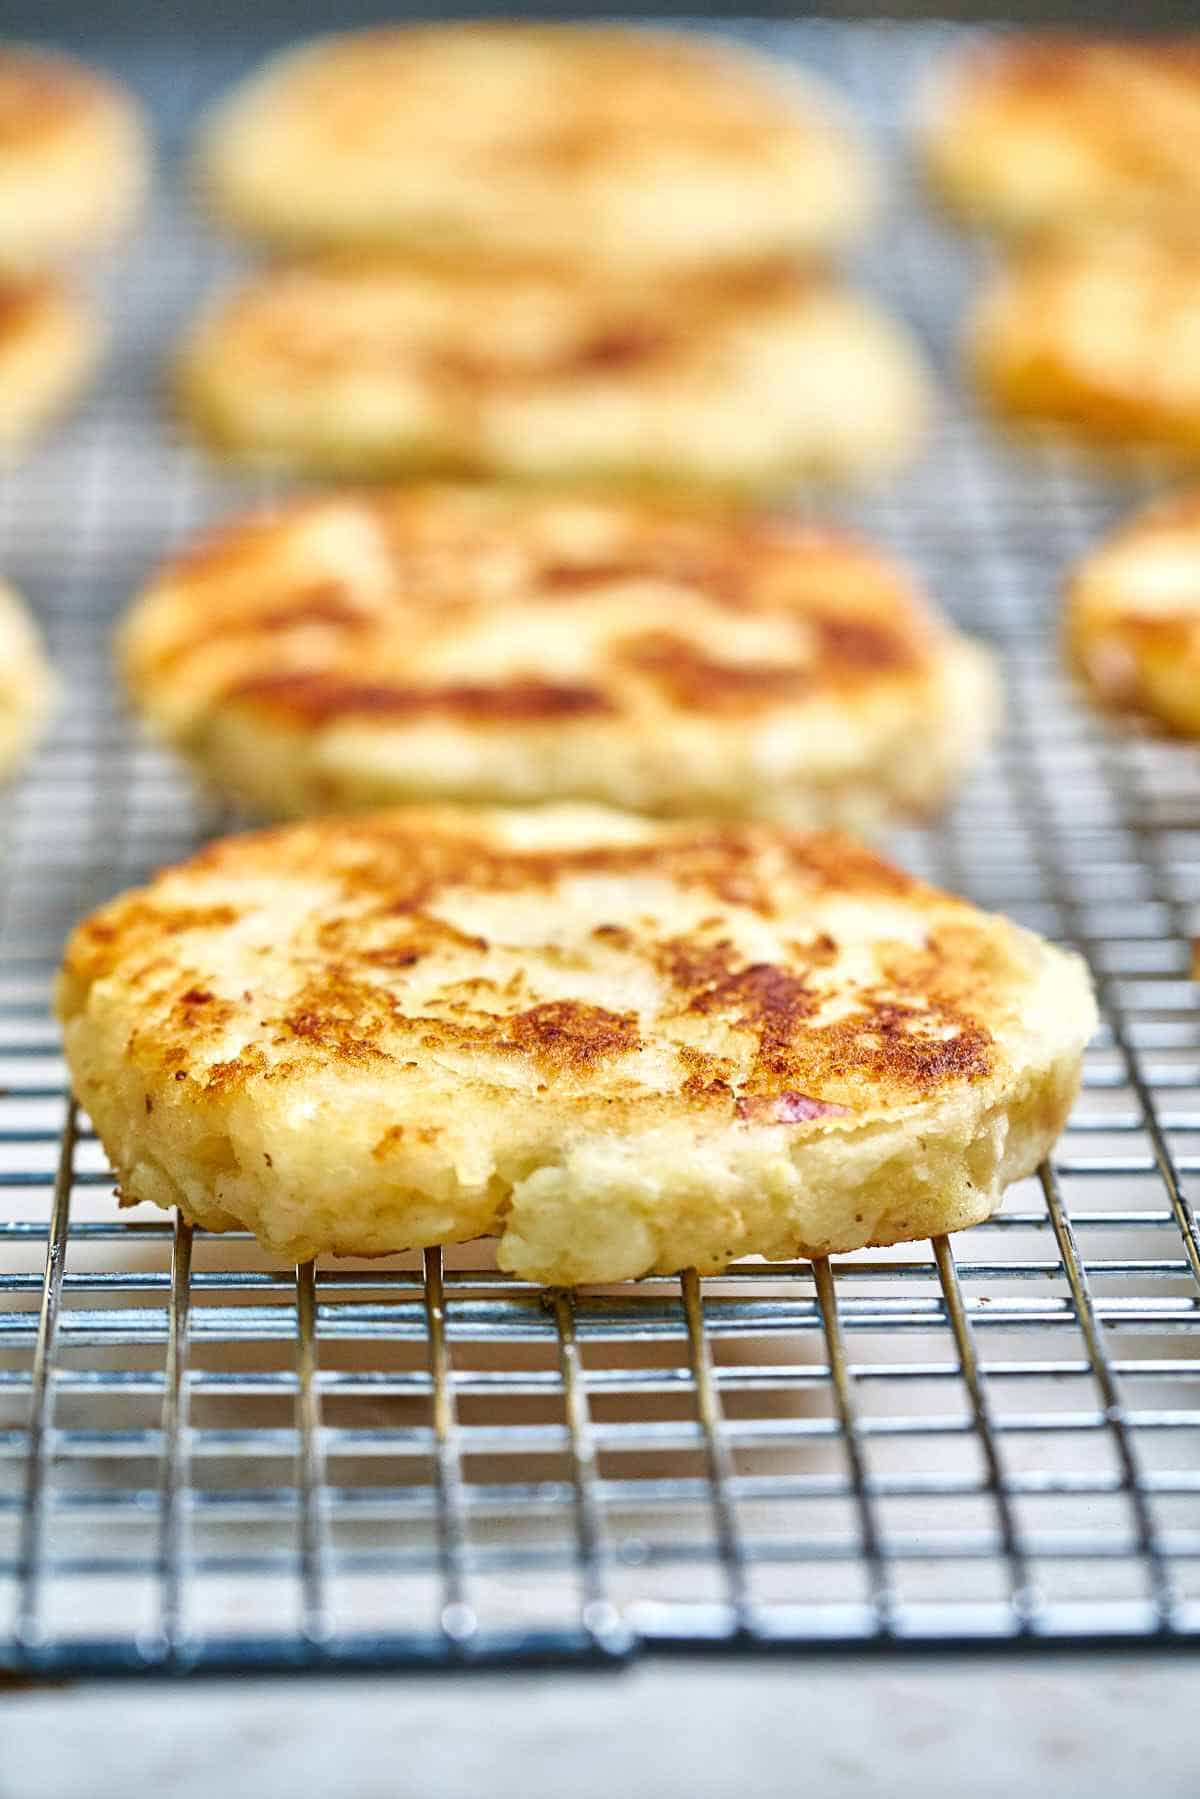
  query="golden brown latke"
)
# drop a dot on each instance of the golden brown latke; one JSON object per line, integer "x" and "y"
{"x": 740, "y": 379}
{"x": 73, "y": 160}
{"x": 1043, "y": 130}
{"x": 1098, "y": 334}
{"x": 629, "y": 148}
{"x": 470, "y": 644}
{"x": 622, "y": 1046}
{"x": 1133, "y": 616}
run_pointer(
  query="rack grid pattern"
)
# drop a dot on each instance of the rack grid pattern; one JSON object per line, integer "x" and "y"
{"x": 206, "y": 1461}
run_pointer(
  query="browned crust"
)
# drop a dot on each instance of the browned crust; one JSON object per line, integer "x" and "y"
{"x": 291, "y": 317}
{"x": 1050, "y": 63}
{"x": 401, "y": 862}
{"x": 22, "y": 302}
{"x": 916, "y": 1028}
{"x": 313, "y": 649}
{"x": 316, "y": 699}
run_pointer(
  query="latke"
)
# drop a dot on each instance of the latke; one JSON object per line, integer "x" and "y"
{"x": 26, "y": 684}
{"x": 49, "y": 344}
{"x": 628, "y": 148}
{"x": 620, "y": 1046}
{"x": 1133, "y": 616}
{"x": 480, "y": 645}
{"x": 73, "y": 160}
{"x": 1097, "y": 334}
{"x": 1045, "y": 130}
{"x": 743, "y": 379}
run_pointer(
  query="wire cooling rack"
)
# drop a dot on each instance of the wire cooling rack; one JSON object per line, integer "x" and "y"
{"x": 209, "y": 1461}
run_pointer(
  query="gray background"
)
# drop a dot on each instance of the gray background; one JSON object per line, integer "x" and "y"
{"x": 77, "y": 20}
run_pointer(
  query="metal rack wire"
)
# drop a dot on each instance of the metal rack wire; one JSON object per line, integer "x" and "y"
{"x": 209, "y": 1462}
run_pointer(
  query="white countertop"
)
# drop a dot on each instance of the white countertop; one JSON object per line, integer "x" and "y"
{"x": 1091, "y": 1726}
